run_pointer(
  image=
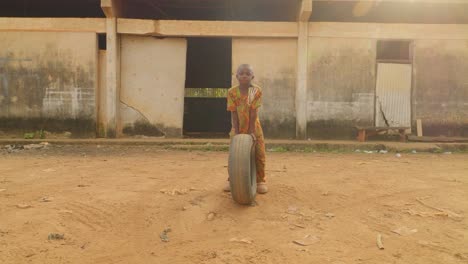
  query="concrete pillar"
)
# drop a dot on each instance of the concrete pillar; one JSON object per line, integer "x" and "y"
{"x": 112, "y": 79}
{"x": 112, "y": 9}
{"x": 101, "y": 94}
{"x": 302, "y": 61}
{"x": 301, "y": 83}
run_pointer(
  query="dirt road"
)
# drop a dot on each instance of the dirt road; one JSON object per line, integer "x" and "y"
{"x": 113, "y": 203}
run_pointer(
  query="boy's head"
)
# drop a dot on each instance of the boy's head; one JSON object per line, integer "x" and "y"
{"x": 245, "y": 74}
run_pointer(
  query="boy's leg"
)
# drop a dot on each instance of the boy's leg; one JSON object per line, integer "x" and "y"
{"x": 260, "y": 160}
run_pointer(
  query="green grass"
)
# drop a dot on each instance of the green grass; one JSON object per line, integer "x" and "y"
{"x": 29, "y": 135}
{"x": 321, "y": 148}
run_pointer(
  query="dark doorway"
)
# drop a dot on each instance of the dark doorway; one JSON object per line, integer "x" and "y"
{"x": 208, "y": 77}
{"x": 394, "y": 50}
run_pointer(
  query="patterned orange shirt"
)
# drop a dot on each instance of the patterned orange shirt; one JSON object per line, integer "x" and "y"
{"x": 242, "y": 105}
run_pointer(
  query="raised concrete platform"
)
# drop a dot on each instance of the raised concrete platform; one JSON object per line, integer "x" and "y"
{"x": 271, "y": 144}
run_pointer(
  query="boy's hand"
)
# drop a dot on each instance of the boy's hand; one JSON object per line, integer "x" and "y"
{"x": 253, "y": 137}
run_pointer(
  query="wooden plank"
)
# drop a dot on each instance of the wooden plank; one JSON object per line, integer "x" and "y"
{"x": 361, "y": 135}
{"x": 419, "y": 127}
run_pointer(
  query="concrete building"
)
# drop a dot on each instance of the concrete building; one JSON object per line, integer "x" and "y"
{"x": 110, "y": 68}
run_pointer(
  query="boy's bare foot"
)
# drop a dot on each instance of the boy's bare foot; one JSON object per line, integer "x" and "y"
{"x": 227, "y": 187}
{"x": 262, "y": 188}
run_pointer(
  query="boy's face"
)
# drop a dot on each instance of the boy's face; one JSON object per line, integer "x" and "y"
{"x": 245, "y": 76}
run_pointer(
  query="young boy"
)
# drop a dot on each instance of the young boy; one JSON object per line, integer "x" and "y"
{"x": 243, "y": 102}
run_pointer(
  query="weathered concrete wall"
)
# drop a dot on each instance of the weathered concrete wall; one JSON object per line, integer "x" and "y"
{"x": 152, "y": 85}
{"x": 440, "y": 86}
{"x": 48, "y": 81}
{"x": 341, "y": 86}
{"x": 274, "y": 62}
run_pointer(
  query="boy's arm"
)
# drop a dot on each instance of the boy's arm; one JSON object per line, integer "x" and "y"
{"x": 235, "y": 121}
{"x": 252, "y": 119}
{"x": 231, "y": 107}
{"x": 253, "y": 113}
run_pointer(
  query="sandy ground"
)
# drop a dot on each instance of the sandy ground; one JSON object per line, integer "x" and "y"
{"x": 112, "y": 204}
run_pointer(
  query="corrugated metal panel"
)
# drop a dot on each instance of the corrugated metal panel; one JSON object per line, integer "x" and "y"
{"x": 393, "y": 95}
{"x": 206, "y": 92}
